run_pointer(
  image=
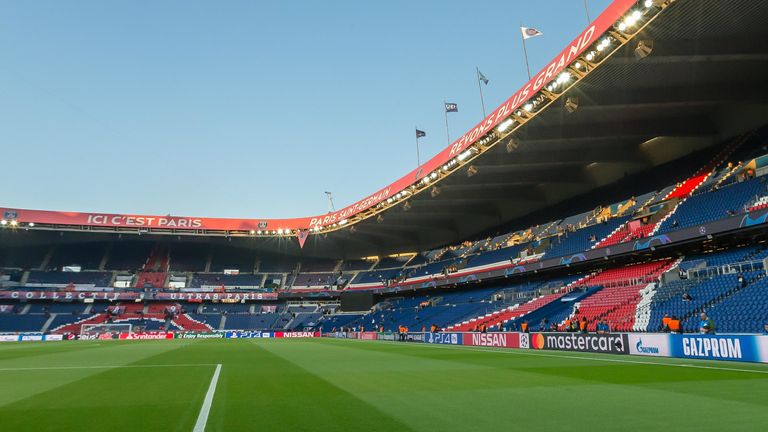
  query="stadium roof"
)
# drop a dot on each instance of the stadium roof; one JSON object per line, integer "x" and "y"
{"x": 698, "y": 81}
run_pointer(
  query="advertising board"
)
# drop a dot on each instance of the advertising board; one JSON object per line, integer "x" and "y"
{"x": 615, "y": 343}
{"x": 498, "y": 340}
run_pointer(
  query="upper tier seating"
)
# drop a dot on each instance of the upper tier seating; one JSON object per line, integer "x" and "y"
{"x": 188, "y": 257}
{"x": 356, "y": 265}
{"x": 581, "y": 240}
{"x": 307, "y": 280}
{"x": 86, "y": 255}
{"x": 264, "y": 321}
{"x": 391, "y": 262}
{"x": 151, "y": 279}
{"x": 26, "y": 257}
{"x": 494, "y": 256}
{"x": 318, "y": 265}
{"x": 223, "y": 258}
{"x": 200, "y": 280}
{"x": 128, "y": 256}
{"x": 720, "y": 204}
{"x": 376, "y": 276}
{"x": 277, "y": 265}
{"x": 99, "y": 279}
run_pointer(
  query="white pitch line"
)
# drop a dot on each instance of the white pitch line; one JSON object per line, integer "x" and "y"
{"x": 202, "y": 418}
{"x": 522, "y": 351}
{"x": 103, "y": 367}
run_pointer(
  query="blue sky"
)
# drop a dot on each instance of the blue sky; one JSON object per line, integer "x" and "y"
{"x": 247, "y": 108}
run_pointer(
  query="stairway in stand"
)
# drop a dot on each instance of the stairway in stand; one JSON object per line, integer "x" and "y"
{"x": 155, "y": 270}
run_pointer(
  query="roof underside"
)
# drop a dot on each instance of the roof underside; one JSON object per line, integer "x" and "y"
{"x": 702, "y": 83}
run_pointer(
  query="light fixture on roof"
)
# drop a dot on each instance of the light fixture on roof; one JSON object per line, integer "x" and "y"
{"x": 32, "y": 224}
{"x": 280, "y": 231}
{"x": 512, "y": 145}
{"x": 571, "y": 104}
{"x": 528, "y": 107}
{"x": 253, "y": 232}
{"x": 14, "y": 223}
{"x": 590, "y": 55}
{"x": 3, "y": 222}
{"x": 506, "y": 124}
{"x": 433, "y": 175}
{"x": 464, "y": 155}
{"x": 644, "y": 48}
{"x": 343, "y": 221}
{"x": 258, "y": 232}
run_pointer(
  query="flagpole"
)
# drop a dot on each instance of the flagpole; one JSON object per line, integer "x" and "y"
{"x": 586, "y": 10}
{"x": 482, "y": 102}
{"x": 418, "y": 152}
{"x": 525, "y": 51}
{"x": 447, "y": 131}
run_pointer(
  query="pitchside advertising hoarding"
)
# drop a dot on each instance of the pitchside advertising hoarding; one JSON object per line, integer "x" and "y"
{"x": 498, "y": 340}
{"x": 297, "y": 334}
{"x": 745, "y": 348}
{"x": 444, "y": 338}
{"x": 195, "y": 335}
{"x": 146, "y": 335}
{"x": 654, "y": 345}
{"x": 615, "y": 343}
{"x": 26, "y": 337}
{"x": 243, "y": 334}
{"x": 720, "y": 347}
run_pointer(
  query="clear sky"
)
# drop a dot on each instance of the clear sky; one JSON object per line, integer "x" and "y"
{"x": 247, "y": 108}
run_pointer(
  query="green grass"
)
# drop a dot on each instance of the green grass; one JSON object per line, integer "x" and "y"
{"x": 336, "y": 385}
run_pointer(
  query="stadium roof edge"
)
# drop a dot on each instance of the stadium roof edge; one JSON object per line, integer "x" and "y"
{"x": 535, "y": 95}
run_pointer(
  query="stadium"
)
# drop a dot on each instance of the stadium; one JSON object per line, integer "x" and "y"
{"x": 592, "y": 254}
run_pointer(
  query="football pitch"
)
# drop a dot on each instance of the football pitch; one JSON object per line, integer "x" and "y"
{"x": 347, "y": 385}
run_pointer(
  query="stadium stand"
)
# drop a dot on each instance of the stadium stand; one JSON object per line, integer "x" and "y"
{"x": 87, "y": 256}
{"x": 629, "y": 297}
{"x": 718, "y": 204}
{"x": 57, "y": 278}
{"x": 249, "y": 281}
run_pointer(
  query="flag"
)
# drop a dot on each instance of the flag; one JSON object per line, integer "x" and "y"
{"x": 482, "y": 77}
{"x": 302, "y": 236}
{"x": 451, "y": 107}
{"x": 420, "y": 133}
{"x": 529, "y": 32}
